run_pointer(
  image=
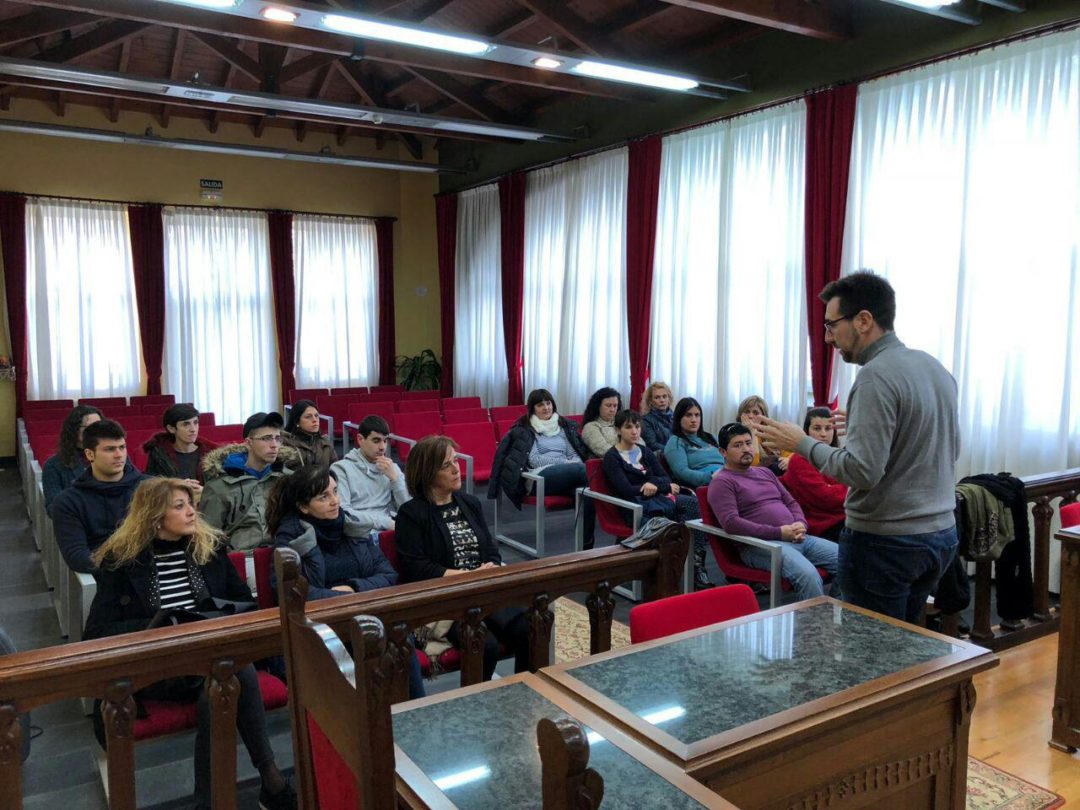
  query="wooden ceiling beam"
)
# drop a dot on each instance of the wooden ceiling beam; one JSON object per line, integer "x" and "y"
{"x": 125, "y": 57}
{"x": 465, "y": 96}
{"x": 375, "y": 95}
{"x": 230, "y": 53}
{"x": 304, "y": 65}
{"x": 635, "y": 16}
{"x": 794, "y": 16}
{"x": 271, "y": 58}
{"x": 215, "y": 115}
{"x": 101, "y": 38}
{"x": 427, "y": 9}
{"x": 174, "y": 69}
{"x": 569, "y": 25}
{"x": 215, "y": 27}
{"x": 40, "y": 23}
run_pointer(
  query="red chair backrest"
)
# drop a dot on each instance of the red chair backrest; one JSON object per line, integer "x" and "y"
{"x": 223, "y": 434}
{"x": 309, "y": 393}
{"x": 207, "y": 419}
{"x": 1070, "y": 515}
{"x": 457, "y": 403}
{"x": 579, "y": 418}
{"x": 502, "y": 426}
{"x": 378, "y": 389}
{"x": 416, "y": 405}
{"x": 388, "y": 546}
{"x": 415, "y": 426}
{"x": 504, "y": 412}
{"x": 407, "y": 395}
{"x": 43, "y": 446}
{"x": 122, "y": 412}
{"x": 50, "y": 428}
{"x": 345, "y": 391}
{"x": 152, "y": 399}
{"x": 477, "y": 439}
{"x": 335, "y": 784}
{"x": 677, "y": 614}
{"x": 35, "y": 405}
{"x": 137, "y": 456}
{"x": 263, "y": 562}
{"x": 611, "y": 518}
{"x": 239, "y": 563}
{"x": 46, "y": 415}
{"x": 104, "y": 402}
{"x": 463, "y": 415}
{"x": 130, "y": 423}
{"x": 337, "y": 406}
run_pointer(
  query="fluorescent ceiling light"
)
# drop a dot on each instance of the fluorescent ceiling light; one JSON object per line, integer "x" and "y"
{"x": 371, "y": 29}
{"x": 460, "y": 778}
{"x": 931, "y": 3}
{"x": 547, "y": 63}
{"x": 629, "y": 75}
{"x": 219, "y": 4}
{"x": 279, "y": 14}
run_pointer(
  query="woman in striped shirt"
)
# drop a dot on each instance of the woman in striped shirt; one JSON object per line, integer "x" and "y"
{"x": 165, "y": 556}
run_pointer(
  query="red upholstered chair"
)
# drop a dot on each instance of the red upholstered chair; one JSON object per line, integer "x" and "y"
{"x": 465, "y": 415}
{"x": 35, "y": 405}
{"x": 164, "y": 400}
{"x": 502, "y": 426}
{"x": 262, "y": 559}
{"x": 357, "y": 411}
{"x": 688, "y": 611}
{"x": 137, "y": 456}
{"x": 579, "y": 418}
{"x": 476, "y": 449}
{"x": 46, "y": 415}
{"x": 222, "y": 434}
{"x": 1070, "y": 515}
{"x": 504, "y": 412}
{"x": 207, "y": 419}
{"x": 409, "y": 428}
{"x": 411, "y": 395}
{"x": 381, "y": 396}
{"x": 727, "y": 555}
{"x": 611, "y": 511}
{"x": 457, "y": 403}
{"x": 542, "y": 504}
{"x": 417, "y": 405}
{"x": 104, "y": 403}
{"x": 345, "y": 391}
{"x": 381, "y": 389}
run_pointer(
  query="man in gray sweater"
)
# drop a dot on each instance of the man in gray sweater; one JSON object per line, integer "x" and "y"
{"x": 899, "y": 458}
{"x": 370, "y": 485}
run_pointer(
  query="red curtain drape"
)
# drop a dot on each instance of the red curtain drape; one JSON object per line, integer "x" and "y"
{"x": 384, "y": 230}
{"x": 446, "y": 231}
{"x": 642, "y": 195}
{"x": 512, "y": 232}
{"x": 830, "y": 121}
{"x": 284, "y": 283}
{"x": 13, "y": 244}
{"x": 148, "y": 261}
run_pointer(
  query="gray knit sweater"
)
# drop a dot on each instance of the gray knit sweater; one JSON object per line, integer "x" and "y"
{"x": 903, "y": 439}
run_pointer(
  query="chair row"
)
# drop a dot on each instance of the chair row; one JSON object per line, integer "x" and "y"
{"x": 314, "y": 393}
{"x": 32, "y": 406}
{"x": 44, "y": 436}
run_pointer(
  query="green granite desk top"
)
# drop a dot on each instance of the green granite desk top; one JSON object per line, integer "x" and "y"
{"x": 697, "y": 687}
{"x": 480, "y": 750}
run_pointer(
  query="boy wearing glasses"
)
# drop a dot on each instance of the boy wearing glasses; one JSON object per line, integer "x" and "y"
{"x": 239, "y": 477}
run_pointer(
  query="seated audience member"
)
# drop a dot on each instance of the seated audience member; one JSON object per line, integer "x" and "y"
{"x": 634, "y": 474}
{"x": 543, "y": 442}
{"x": 371, "y": 486}
{"x": 821, "y": 497}
{"x": 239, "y": 478}
{"x": 751, "y": 500}
{"x": 656, "y": 416}
{"x": 60, "y": 470}
{"x": 88, "y": 512}
{"x": 178, "y": 452}
{"x": 302, "y": 435}
{"x": 441, "y": 533}
{"x": 598, "y": 422}
{"x": 338, "y": 556}
{"x": 165, "y": 557}
{"x": 691, "y": 454}
{"x": 749, "y": 414}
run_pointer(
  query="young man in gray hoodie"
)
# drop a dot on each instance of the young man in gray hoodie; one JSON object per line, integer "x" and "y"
{"x": 899, "y": 458}
{"x": 370, "y": 485}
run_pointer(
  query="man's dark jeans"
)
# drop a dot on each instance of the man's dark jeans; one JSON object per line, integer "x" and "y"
{"x": 893, "y": 574}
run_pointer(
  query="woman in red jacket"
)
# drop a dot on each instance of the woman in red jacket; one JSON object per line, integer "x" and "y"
{"x": 821, "y": 497}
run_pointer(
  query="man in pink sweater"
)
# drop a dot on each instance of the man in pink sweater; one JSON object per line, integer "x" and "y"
{"x": 751, "y": 500}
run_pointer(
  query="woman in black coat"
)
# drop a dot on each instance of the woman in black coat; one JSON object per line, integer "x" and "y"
{"x": 165, "y": 557}
{"x": 549, "y": 444}
{"x": 441, "y": 533}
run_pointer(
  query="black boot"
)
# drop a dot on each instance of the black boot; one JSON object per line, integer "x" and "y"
{"x": 701, "y": 578}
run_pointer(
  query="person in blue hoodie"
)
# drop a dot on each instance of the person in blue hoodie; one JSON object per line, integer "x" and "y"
{"x": 338, "y": 555}
{"x": 238, "y": 479}
{"x": 87, "y": 513}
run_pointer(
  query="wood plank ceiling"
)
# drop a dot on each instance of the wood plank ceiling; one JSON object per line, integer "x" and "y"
{"x": 162, "y": 40}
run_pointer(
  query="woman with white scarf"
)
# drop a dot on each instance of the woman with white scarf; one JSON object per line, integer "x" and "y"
{"x": 545, "y": 443}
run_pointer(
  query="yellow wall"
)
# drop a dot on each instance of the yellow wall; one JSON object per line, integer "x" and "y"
{"x": 36, "y": 164}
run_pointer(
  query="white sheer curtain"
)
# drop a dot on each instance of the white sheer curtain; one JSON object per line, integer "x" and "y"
{"x": 82, "y": 318}
{"x": 335, "y": 262}
{"x": 574, "y": 336}
{"x": 728, "y": 301}
{"x": 479, "y": 347}
{"x": 220, "y": 344}
{"x": 965, "y": 193}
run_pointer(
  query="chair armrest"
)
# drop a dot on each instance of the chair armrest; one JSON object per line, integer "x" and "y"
{"x": 469, "y": 465}
{"x": 772, "y": 546}
{"x": 635, "y": 508}
{"x": 394, "y": 437}
{"x": 345, "y": 434}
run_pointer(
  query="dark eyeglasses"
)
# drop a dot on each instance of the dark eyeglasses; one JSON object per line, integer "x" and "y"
{"x": 831, "y": 325}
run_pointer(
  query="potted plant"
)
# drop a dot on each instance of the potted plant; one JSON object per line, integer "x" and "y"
{"x": 421, "y": 372}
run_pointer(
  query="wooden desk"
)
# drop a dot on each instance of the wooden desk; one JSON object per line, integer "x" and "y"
{"x": 476, "y": 748}
{"x": 1065, "y": 733}
{"x": 803, "y": 706}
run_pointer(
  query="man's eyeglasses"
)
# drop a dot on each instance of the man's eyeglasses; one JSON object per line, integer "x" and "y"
{"x": 273, "y": 439}
{"x": 830, "y": 326}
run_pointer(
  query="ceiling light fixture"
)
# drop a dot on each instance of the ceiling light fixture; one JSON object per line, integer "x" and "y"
{"x": 109, "y": 136}
{"x": 547, "y": 63}
{"x": 222, "y": 5}
{"x": 931, "y": 3}
{"x": 279, "y": 14}
{"x": 370, "y": 29}
{"x": 631, "y": 75}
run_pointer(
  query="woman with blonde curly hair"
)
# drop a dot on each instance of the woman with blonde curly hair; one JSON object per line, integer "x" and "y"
{"x": 162, "y": 559}
{"x": 657, "y": 418}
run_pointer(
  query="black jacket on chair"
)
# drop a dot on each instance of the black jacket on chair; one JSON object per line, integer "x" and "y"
{"x": 423, "y": 540}
{"x": 512, "y": 459}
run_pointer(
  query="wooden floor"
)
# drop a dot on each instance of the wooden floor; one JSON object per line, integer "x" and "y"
{"x": 1011, "y": 724}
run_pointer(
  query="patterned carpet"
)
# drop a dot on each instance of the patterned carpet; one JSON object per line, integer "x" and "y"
{"x": 988, "y": 787}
